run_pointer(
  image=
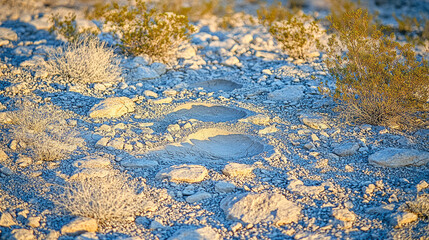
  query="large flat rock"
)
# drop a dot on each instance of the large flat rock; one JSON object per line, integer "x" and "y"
{"x": 183, "y": 173}
{"x": 396, "y": 157}
{"x": 257, "y": 208}
{"x": 112, "y": 108}
{"x": 291, "y": 93}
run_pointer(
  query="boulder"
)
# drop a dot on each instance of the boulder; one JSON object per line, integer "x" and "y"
{"x": 396, "y": 157}
{"x": 112, "y": 108}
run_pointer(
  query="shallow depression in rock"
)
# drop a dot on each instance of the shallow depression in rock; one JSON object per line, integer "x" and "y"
{"x": 212, "y": 144}
{"x": 218, "y": 85}
{"x": 207, "y": 113}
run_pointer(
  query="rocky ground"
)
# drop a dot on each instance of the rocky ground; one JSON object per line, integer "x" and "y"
{"x": 234, "y": 142}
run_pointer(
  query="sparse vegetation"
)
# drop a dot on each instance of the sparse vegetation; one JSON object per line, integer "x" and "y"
{"x": 141, "y": 30}
{"x": 274, "y": 13}
{"x": 86, "y": 60}
{"x": 416, "y": 32}
{"x": 378, "y": 80}
{"x": 43, "y": 130}
{"x": 194, "y": 9}
{"x": 420, "y": 206}
{"x": 107, "y": 199}
{"x": 298, "y": 36}
{"x": 297, "y": 33}
{"x": 68, "y": 29}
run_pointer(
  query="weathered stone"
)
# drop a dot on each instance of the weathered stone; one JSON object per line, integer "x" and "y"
{"x": 290, "y": 93}
{"x": 80, "y": 225}
{"x": 237, "y": 169}
{"x": 205, "y": 233}
{"x": 6, "y": 220}
{"x": 8, "y": 34}
{"x": 400, "y": 219}
{"x": 3, "y": 156}
{"x": 224, "y": 187}
{"x": 139, "y": 163}
{"x": 199, "y": 196}
{"x": 259, "y": 120}
{"x": 314, "y": 121}
{"x": 149, "y": 93}
{"x": 21, "y": 234}
{"x": 90, "y": 173}
{"x": 396, "y": 157}
{"x": 5, "y": 170}
{"x": 346, "y": 149}
{"x": 298, "y": 186}
{"x": 183, "y": 173}
{"x": 422, "y": 185}
{"x": 384, "y": 209}
{"x": 257, "y": 208}
{"x": 92, "y": 162}
{"x": 143, "y": 73}
{"x": 34, "y": 222}
{"x": 163, "y": 100}
{"x": 343, "y": 215}
{"x": 112, "y": 108}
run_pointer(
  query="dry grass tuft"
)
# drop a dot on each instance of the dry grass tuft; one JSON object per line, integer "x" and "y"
{"x": 420, "y": 206}
{"x": 113, "y": 198}
{"x": 86, "y": 60}
{"x": 43, "y": 130}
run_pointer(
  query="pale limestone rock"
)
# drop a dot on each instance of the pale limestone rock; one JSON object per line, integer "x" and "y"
{"x": 205, "y": 233}
{"x": 314, "y": 121}
{"x": 6, "y": 220}
{"x": 346, "y": 149}
{"x": 87, "y": 173}
{"x": 3, "y": 156}
{"x": 183, "y": 173}
{"x": 292, "y": 93}
{"x": 254, "y": 208}
{"x": 149, "y": 93}
{"x": 80, "y": 225}
{"x": 422, "y": 185}
{"x": 112, "y": 108}
{"x": 163, "y": 100}
{"x": 399, "y": 219}
{"x": 237, "y": 170}
{"x": 199, "y": 196}
{"x": 343, "y": 214}
{"x": 224, "y": 187}
{"x": 298, "y": 186}
{"x": 92, "y": 161}
{"x": 141, "y": 73}
{"x": 139, "y": 163}
{"x": 396, "y": 157}
{"x": 259, "y": 120}
{"x": 21, "y": 234}
{"x": 34, "y": 222}
{"x": 8, "y": 34}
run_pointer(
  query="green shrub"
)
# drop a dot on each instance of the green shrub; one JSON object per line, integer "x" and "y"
{"x": 108, "y": 199}
{"x": 193, "y": 9}
{"x": 298, "y": 35}
{"x": 86, "y": 60}
{"x": 416, "y": 32}
{"x": 378, "y": 80}
{"x": 67, "y": 28}
{"x": 274, "y": 13}
{"x": 146, "y": 31}
{"x": 43, "y": 130}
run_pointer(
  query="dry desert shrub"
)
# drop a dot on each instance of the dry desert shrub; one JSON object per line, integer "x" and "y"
{"x": 86, "y": 60}
{"x": 113, "y": 198}
{"x": 194, "y": 9}
{"x": 43, "y": 130}
{"x": 298, "y": 36}
{"x": 68, "y": 28}
{"x": 297, "y": 33}
{"x": 146, "y": 31}
{"x": 378, "y": 80}
{"x": 420, "y": 206}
